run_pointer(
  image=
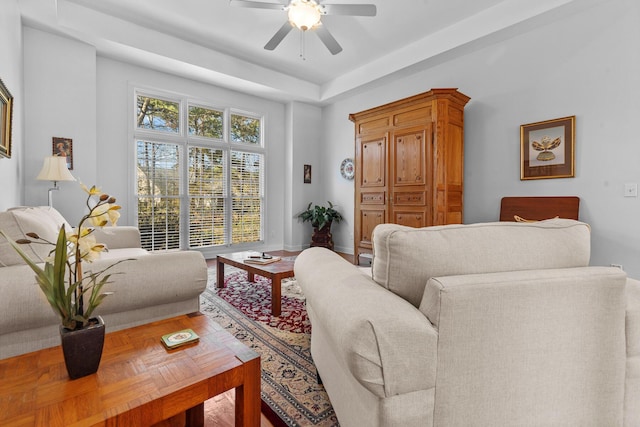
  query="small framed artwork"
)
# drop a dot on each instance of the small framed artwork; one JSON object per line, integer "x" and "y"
{"x": 6, "y": 112}
{"x": 63, "y": 147}
{"x": 307, "y": 174}
{"x": 547, "y": 149}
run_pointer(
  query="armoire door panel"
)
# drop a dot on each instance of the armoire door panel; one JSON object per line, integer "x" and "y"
{"x": 369, "y": 220}
{"x": 374, "y": 163}
{"x": 409, "y": 198}
{"x": 372, "y": 198}
{"x": 413, "y": 117}
{"x": 410, "y": 219}
{"x": 409, "y": 158}
{"x": 373, "y": 125}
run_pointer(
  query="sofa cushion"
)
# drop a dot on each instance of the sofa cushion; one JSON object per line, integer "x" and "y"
{"x": 8, "y": 255}
{"x": 405, "y": 258}
{"x": 17, "y": 222}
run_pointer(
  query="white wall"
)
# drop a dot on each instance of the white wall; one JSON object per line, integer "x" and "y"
{"x": 585, "y": 65}
{"x": 60, "y": 101}
{"x": 11, "y": 170}
{"x": 115, "y": 81}
{"x": 304, "y": 128}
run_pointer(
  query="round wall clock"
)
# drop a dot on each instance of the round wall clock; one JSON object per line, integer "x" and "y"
{"x": 347, "y": 169}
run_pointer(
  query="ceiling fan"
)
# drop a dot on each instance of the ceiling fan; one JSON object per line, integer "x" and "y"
{"x": 306, "y": 15}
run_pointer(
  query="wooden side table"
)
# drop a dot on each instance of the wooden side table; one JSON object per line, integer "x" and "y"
{"x": 139, "y": 382}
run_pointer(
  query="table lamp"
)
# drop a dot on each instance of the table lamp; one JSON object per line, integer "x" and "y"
{"x": 54, "y": 169}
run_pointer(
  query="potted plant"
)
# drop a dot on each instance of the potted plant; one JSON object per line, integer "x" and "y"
{"x": 321, "y": 218}
{"x": 65, "y": 286}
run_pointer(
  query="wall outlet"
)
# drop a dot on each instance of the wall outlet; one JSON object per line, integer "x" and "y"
{"x": 631, "y": 190}
{"x": 617, "y": 266}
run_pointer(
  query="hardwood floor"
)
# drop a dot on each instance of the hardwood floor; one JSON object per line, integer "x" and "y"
{"x": 219, "y": 411}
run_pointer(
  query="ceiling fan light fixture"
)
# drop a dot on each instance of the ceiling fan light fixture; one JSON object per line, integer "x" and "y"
{"x": 304, "y": 14}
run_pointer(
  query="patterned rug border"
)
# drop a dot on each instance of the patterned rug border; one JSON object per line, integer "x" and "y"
{"x": 295, "y": 355}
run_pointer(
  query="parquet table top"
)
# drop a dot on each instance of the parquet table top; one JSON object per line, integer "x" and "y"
{"x": 139, "y": 382}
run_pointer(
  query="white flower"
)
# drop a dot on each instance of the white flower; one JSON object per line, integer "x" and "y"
{"x": 89, "y": 248}
{"x": 105, "y": 214}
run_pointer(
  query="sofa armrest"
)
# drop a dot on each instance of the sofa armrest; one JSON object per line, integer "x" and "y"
{"x": 118, "y": 237}
{"x": 147, "y": 280}
{"x": 152, "y": 279}
{"x": 388, "y": 345}
{"x": 546, "y": 339}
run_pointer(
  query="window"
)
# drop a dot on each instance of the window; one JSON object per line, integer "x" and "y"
{"x": 158, "y": 192}
{"x": 245, "y": 129}
{"x": 246, "y": 196}
{"x": 207, "y": 188}
{"x": 158, "y": 114}
{"x": 207, "y": 181}
{"x": 206, "y": 122}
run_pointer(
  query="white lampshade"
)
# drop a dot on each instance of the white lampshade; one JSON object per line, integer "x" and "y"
{"x": 304, "y": 14}
{"x": 55, "y": 169}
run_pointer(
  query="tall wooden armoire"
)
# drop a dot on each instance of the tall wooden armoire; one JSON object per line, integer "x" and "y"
{"x": 409, "y": 164}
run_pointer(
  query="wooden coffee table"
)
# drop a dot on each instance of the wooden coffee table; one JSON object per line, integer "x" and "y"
{"x": 139, "y": 382}
{"x": 275, "y": 271}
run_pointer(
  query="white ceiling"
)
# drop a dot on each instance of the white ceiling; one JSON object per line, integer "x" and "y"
{"x": 211, "y": 41}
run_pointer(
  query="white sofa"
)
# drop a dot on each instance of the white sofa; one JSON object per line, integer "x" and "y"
{"x": 151, "y": 287}
{"x": 495, "y": 324}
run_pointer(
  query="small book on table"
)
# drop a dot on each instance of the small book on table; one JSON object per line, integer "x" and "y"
{"x": 179, "y": 338}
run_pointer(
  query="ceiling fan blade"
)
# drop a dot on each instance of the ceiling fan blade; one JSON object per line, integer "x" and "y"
{"x": 328, "y": 40}
{"x": 349, "y": 9}
{"x": 278, "y": 36}
{"x": 256, "y": 4}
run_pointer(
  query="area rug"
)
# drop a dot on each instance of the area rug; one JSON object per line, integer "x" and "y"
{"x": 290, "y": 393}
{"x": 254, "y": 301}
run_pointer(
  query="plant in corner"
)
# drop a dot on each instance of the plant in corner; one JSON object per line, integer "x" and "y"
{"x": 65, "y": 286}
{"x": 321, "y": 218}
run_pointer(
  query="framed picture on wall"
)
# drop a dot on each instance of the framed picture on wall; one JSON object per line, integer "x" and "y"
{"x": 6, "y": 112}
{"x": 547, "y": 149}
{"x": 63, "y": 147}
{"x": 307, "y": 174}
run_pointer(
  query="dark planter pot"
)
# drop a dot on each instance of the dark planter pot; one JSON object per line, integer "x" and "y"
{"x": 82, "y": 348}
{"x": 322, "y": 237}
